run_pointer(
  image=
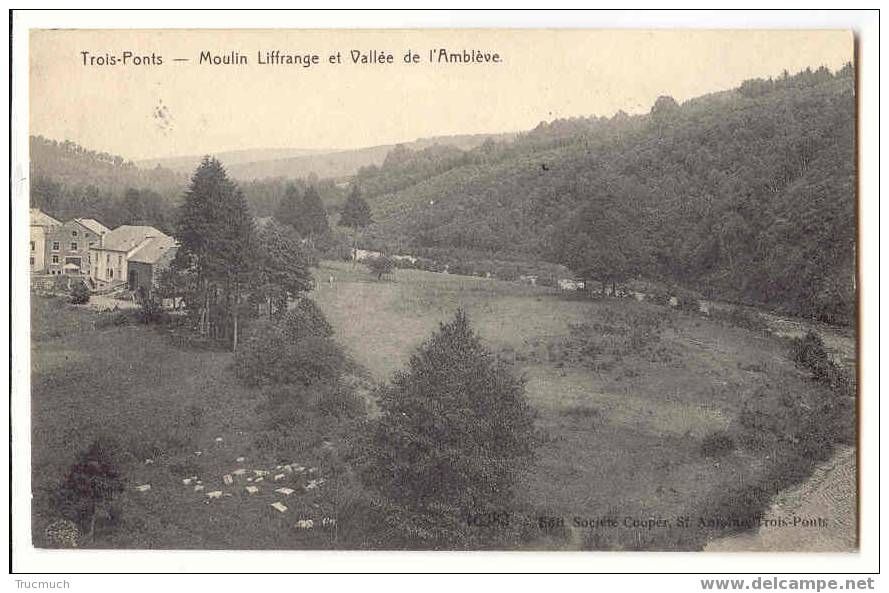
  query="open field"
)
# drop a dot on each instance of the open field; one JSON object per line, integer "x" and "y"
{"x": 629, "y": 397}
{"x": 625, "y": 436}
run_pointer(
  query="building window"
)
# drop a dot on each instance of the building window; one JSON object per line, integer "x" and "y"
{"x": 119, "y": 260}
{"x": 111, "y": 273}
{"x": 55, "y": 245}
{"x": 92, "y": 244}
{"x": 55, "y": 259}
{"x": 32, "y": 261}
{"x": 107, "y": 259}
{"x": 73, "y": 246}
{"x": 32, "y": 245}
{"x": 89, "y": 258}
{"x": 73, "y": 233}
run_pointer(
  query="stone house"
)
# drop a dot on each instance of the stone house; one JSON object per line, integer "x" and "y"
{"x": 41, "y": 224}
{"x": 111, "y": 259}
{"x": 69, "y": 244}
{"x": 145, "y": 264}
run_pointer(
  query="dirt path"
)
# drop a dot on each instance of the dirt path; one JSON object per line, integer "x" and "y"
{"x": 829, "y": 494}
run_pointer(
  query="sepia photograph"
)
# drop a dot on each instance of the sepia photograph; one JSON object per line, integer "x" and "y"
{"x": 587, "y": 290}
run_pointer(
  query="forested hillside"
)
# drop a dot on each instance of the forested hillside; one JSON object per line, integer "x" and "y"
{"x": 745, "y": 195}
{"x": 68, "y": 181}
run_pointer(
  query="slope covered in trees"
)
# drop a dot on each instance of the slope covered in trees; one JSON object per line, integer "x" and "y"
{"x": 68, "y": 181}
{"x": 745, "y": 195}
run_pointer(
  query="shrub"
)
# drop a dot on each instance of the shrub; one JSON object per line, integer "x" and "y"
{"x": 80, "y": 294}
{"x": 688, "y": 302}
{"x": 151, "y": 311}
{"x": 404, "y": 264}
{"x": 260, "y": 354}
{"x": 428, "y": 265}
{"x": 617, "y": 332}
{"x": 339, "y": 402}
{"x": 809, "y": 352}
{"x": 658, "y": 298}
{"x": 285, "y": 406}
{"x": 89, "y": 487}
{"x": 740, "y": 317}
{"x": 312, "y": 360}
{"x": 461, "y": 268}
{"x": 296, "y": 350}
{"x": 717, "y": 444}
{"x": 304, "y": 320}
{"x": 380, "y": 266}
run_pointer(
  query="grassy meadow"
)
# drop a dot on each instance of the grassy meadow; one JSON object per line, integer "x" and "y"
{"x": 644, "y": 410}
{"x": 627, "y": 422}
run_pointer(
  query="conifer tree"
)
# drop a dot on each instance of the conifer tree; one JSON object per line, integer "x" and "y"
{"x": 288, "y": 210}
{"x": 454, "y": 435}
{"x": 356, "y": 212}
{"x": 217, "y": 243}
{"x": 313, "y": 216}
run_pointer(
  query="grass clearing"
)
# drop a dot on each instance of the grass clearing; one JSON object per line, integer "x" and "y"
{"x": 628, "y": 421}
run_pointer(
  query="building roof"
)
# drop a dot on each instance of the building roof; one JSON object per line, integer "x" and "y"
{"x": 153, "y": 250}
{"x": 93, "y": 225}
{"x": 41, "y": 218}
{"x": 127, "y": 237}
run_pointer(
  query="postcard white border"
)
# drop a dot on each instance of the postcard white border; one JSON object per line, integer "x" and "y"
{"x": 28, "y": 559}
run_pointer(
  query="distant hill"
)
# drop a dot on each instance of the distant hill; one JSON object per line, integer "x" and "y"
{"x": 187, "y": 164}
{"x": 301, "y": 163}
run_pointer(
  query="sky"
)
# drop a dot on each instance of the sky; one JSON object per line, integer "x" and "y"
{"x": 184, "y": 107}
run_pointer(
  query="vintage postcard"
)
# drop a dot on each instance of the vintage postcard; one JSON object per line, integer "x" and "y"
{"x": 443, "y": 289}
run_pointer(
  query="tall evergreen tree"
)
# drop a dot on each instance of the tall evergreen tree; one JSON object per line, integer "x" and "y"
{"x": 313, "y": 216}
{"x": 356, "y": 212}
{"x": 304, "y": 212}
{"x": 288, "y": 210}
{"x": 454, "y": 434}
{"x": 217, "y": 240}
